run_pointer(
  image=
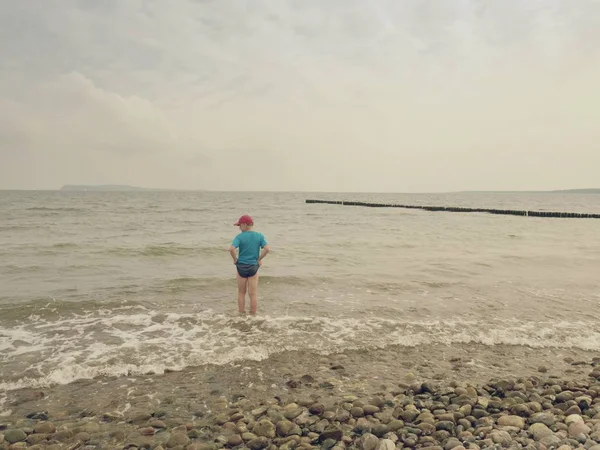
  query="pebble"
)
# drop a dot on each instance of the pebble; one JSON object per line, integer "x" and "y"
{"x": 235, "y": 440}
{"x": 15, "y": 435}
{"x": 178, "y": 438}
{"x": 331, "y": 433}
{"x": 511, "y": 421}
{"x": 157, "y": 424}
{"x": 573, "y": 418}
{"x": 45, "y": 428}
{"x": 258, "y": 443}
{"x": 370, "y": 409}
{"x": 577, "y": 428}
{"x": 368, "y": 442}
{"x": 264, "y": 428}
{"x": 539, "y": 430}
{"x": 357, "y": 412}
{"x": 501, "y": 437}
{"x": 386, "y": 444}
{"x": 544, "y": 418}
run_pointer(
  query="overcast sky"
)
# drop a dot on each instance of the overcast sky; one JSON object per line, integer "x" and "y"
{"x": 325, "y": 95}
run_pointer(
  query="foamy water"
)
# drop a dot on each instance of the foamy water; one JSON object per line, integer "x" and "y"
{"x": 123, "y": 284}
{"x": 142, "y": 342}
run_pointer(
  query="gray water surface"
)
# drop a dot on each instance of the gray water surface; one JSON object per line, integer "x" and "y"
{"x": 115, "y": 283}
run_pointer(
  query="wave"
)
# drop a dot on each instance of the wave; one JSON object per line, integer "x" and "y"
{"x": 218, "y": 282}
{"x": 56, "y": 209}
{"x": 65, "y": 245}
{"x": 140, "y": 341}
{"x": 15, "y": 269}
{"x": 165, "y": 250}
{"x": 50, "y": 309}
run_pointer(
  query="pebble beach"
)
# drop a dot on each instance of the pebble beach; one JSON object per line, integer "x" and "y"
{"x": 381, "y": 399}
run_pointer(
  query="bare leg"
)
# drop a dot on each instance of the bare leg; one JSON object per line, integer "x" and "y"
{"x": 242, "y": 284}
{"x": 253, "y": 291}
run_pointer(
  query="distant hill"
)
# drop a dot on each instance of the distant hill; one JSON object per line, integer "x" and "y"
{"x": 577, "y": 191}
{"x": 562, "y": 191}
{"x": 106, "y": 187}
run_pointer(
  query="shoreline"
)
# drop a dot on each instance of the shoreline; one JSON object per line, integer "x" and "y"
{"x": 116, "y": 411}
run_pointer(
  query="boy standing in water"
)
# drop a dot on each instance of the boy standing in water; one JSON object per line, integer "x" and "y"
{"x": 248, "y": 261}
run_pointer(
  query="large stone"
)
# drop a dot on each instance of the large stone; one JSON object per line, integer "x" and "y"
{"x": 540, "y": 430}
{"x": 573, "y": 410}
{"x": 445, "y": 425}
{"x": 291, "y": 414}
{"x": 342, "y": 416}
{"x": 258, "y": 443}
{"x": 550, "y": 440}
{"x": 248, "y": 436}
{"x": 452, "y": 443}
{"x": 317, "y": 409}
{"x": 380, "y": 430}
{"x": 62, "y": 435}
{"x": 426, "y": 428}
{"x": 370, "y": 409}
{"x": 511, "y": 421}
{"x": 14, "y": 436}
{"x": 363, "y": 426}
{"x": 284, "y": 427}
{"x": 573, "y": 418}
{"x": 235, "y": 440}
{"x": 564, "y": 396}
{"x": 547, "y": 419}
{"x": 45, "y": 428}
{"x": 147, "y": 431}
{"x": 36, "y": 438}
{"x": 264, "y": 428}
{"x": 501, "y": 437}
{"x": 409, "y": 415}
{"x": 395, "y": 425}
{"x": 158, "y": 424}
{"x": 331, "y": 433}
{"x": 357, "y": 412}
{"x": 178, "y": 438}
{"x": 577, "y": 428}
{"x": 386, "y": 444}
{"x": 368, "y": 441}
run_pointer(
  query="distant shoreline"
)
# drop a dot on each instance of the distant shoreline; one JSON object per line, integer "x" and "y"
{"x": 559, "y": 191}
{"x": 126, "y": 188}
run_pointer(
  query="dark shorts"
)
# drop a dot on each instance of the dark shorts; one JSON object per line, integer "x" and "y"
{"x": 247, "y": 270}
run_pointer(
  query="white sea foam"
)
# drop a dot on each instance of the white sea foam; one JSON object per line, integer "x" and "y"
{"x": 43, "y": 353}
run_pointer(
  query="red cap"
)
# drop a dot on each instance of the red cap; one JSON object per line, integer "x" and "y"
{"x": 244, "y": 219}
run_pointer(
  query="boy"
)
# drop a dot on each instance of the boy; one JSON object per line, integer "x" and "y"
{"x": 248, "y": 262}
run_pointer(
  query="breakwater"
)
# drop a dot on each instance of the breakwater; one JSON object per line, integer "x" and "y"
{"x": 508, "y": 212}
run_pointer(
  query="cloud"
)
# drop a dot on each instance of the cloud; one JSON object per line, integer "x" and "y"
{"x": 72, "y": 112}
{"x": 301, "y": 95}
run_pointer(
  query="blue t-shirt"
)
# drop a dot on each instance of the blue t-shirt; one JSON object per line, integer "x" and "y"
{"x": 249, "y": 243}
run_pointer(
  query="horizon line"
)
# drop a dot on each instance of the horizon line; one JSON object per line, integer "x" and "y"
{"x": 144, "y": 189}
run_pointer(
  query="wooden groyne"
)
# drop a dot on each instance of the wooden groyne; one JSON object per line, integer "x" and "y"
{"x": 508, "y": 212}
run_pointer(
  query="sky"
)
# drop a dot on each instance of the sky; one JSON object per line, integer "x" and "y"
{"x": 300, "y": 95}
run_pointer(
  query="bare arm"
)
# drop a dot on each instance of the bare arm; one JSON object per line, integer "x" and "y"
{"x": 233, "y": 253}
{"x": 264, "y": 253}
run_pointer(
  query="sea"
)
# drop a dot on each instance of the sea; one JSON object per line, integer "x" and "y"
{"x": 133, "y": 283}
